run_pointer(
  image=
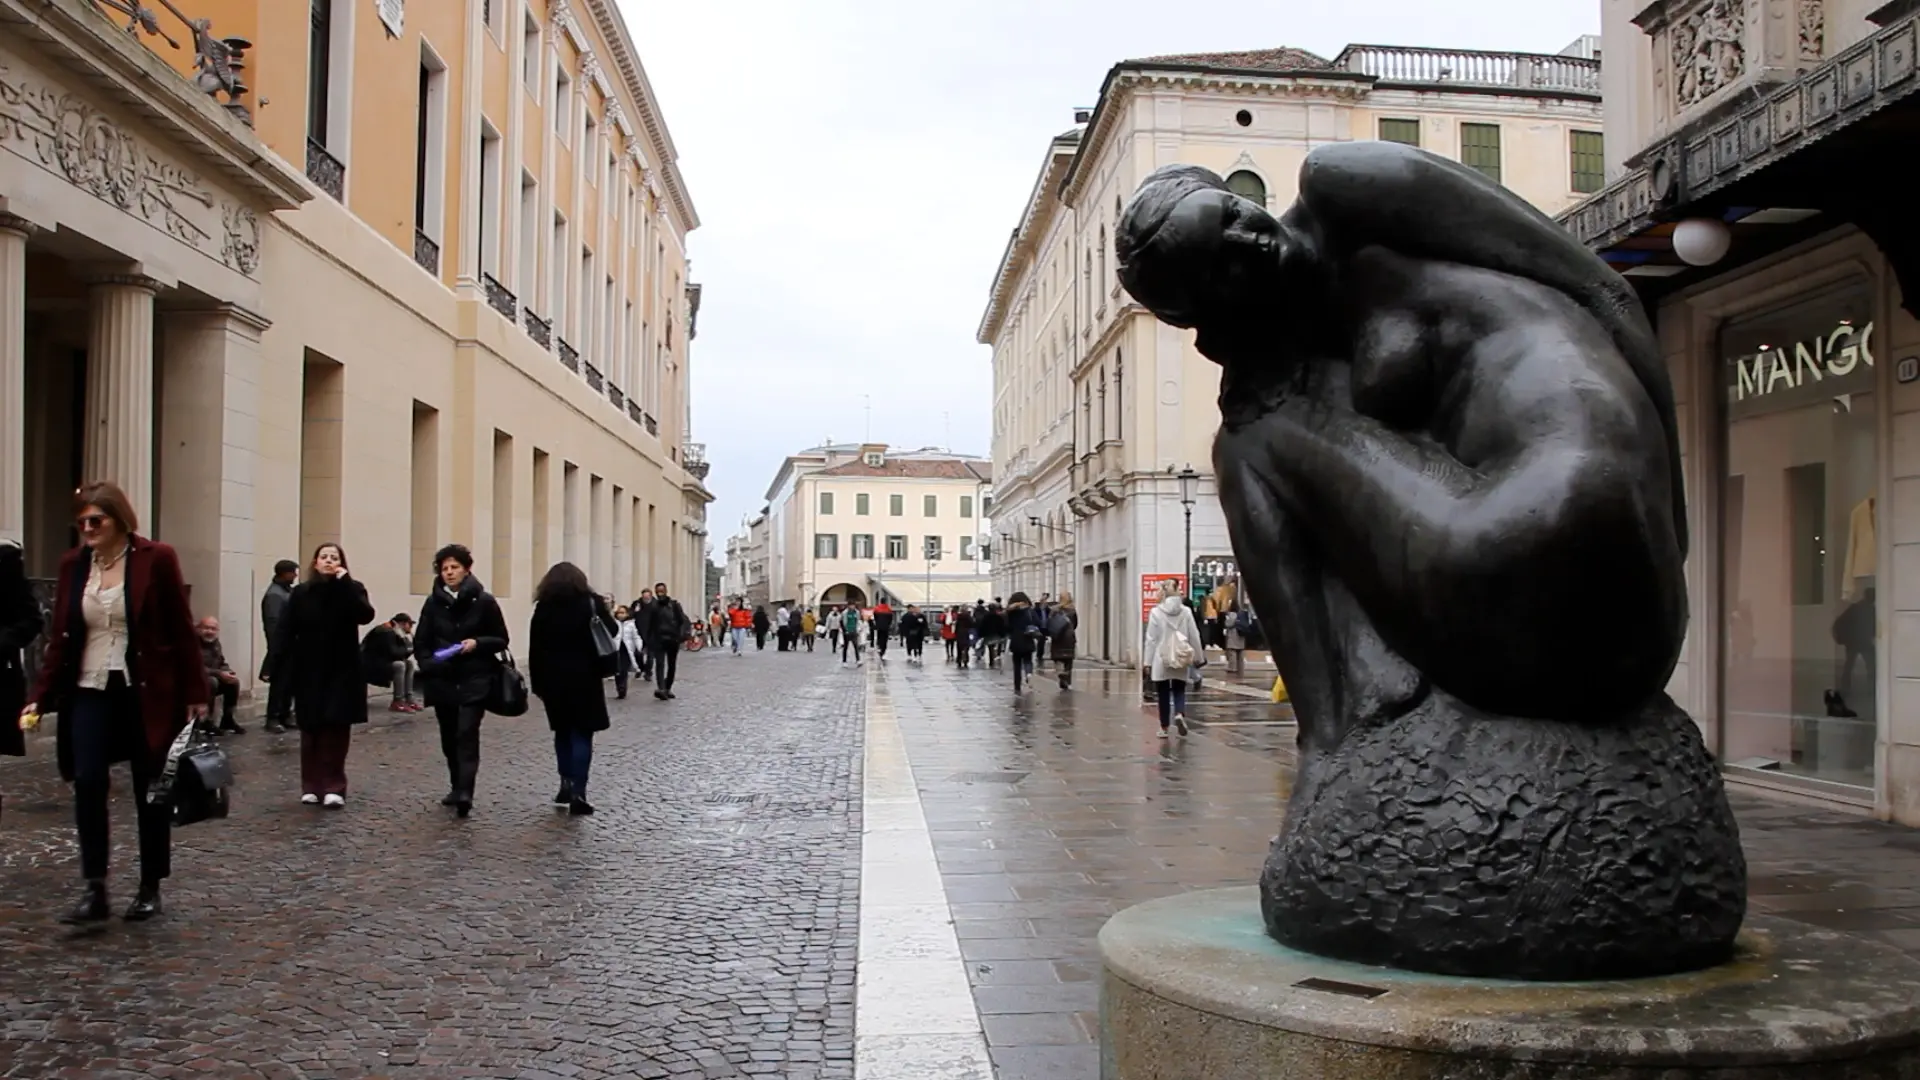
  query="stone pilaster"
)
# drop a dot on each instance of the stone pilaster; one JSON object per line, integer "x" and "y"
{"x": 13, "y": 377}
{"x": 119, "y": 438}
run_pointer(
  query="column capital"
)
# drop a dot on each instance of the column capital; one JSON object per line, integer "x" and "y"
{"x": 14, "y": 223}
{"x": 234, "y": 313}
{"x": 123, "y": 278}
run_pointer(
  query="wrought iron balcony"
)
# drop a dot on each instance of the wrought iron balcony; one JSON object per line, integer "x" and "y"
{"x": 614, "y": 395}
{"x": 326, "y": 171}
{"x": 594, "y": 378}
{"x": 499, "y": 298}
{"x": 652, "y": 425}
{"x": 217, "y": 62}
{"x": 635, "y": 414}
{"x": 539, "y": 329}
{"x": 569, "y": 355}
{"x": 426, "y": 252}
{"x": 1472, "y": 68}
{"x": 693, "y": 455}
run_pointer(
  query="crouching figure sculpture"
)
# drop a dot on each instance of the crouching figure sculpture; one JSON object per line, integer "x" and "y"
{"x": 1449, "y": 465}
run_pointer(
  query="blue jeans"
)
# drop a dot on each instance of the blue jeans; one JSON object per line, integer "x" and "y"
{"x": 573, "y": 752}
{"x": 739, "y": 639}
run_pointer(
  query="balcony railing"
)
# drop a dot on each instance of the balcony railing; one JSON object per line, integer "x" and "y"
{"x": 539, "y": 329}
{"x": 652, "y": 425}
{"x": 326, "y": 171}
{"x": 569, "y": 355}
{"x": 635, "y": 414}
{"x": 499, "y": 298}
{"x": 693, "y": 455}
{"x": 426, "y": 252}
{"x": 217, "y": 62}
{"x": 1464, "y": 67}
{"x": 594, "y": 378}
{"x": 614, "y": 395}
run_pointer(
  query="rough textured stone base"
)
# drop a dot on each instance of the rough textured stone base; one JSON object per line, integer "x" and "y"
{"x": 1454, "y": 841}
{"x": 1194, "y": 989}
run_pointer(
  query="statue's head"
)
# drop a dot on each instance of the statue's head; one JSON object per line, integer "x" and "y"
{"x": 1192, "y": 251}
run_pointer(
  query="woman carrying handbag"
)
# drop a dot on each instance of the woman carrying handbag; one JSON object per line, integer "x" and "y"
{"x": 566, "y": 664}
{"x": 319, "y": 654}
{"x": 123, "y": 670}
{"x": 462, "y": 635}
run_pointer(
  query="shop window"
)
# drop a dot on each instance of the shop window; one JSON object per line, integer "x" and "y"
{"x": 1799, "y": 540}
{"x": 1400, "y": 131}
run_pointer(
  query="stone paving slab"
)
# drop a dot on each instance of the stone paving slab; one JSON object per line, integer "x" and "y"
{"x": 703, "y": 924}
{"x": 1051, "y": 811}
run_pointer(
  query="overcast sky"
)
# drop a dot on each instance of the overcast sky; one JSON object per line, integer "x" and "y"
{"x": 858, "y": 164}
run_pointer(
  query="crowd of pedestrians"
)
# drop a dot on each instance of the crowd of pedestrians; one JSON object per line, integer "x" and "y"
{"x": 127, "y": 668}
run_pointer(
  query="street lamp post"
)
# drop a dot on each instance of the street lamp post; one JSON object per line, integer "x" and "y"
{"x": 1188, "y": 481}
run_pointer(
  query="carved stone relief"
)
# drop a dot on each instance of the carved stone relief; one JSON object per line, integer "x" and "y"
{"x": 1813, "y": 29}
{"x": 1706, "y": 52}
{"x": 68, "y": 136}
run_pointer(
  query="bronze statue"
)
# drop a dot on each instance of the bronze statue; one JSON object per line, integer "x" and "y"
{"x": 1450, "y": 469}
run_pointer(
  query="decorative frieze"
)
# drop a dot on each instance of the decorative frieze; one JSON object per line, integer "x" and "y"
{"x": 1813, "y": 30}
{"x": 70, "y": 137}
{"x": 1706, "y": 52}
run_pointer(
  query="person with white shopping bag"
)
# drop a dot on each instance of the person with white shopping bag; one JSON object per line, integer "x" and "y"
{"x": 1173, "y": 656}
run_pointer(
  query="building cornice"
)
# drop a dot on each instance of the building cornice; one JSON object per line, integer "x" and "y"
{"x": 1021, "y": 244}
{"x": 627, "y": 59}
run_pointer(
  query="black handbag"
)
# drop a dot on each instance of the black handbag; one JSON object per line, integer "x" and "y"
{"x": 196, "y": 779}
{"x": 507, "y": 695}
{"x": 606, "y": 651}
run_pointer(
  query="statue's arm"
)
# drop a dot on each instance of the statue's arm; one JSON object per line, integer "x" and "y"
{"x": 1544, "y": 583}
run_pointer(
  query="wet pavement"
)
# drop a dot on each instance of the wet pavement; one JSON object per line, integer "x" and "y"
{"x": 1052, "y": 811}
{"x": 703, "y": 924}
{"x": 706, "y": 923}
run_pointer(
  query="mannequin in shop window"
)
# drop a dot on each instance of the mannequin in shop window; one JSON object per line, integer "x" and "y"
{"x": 1857, "y": 626}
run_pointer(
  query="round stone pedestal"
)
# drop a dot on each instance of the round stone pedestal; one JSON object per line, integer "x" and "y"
{"x": 1194, "y": 989}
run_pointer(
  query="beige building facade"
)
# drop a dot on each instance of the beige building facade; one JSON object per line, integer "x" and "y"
{"x": 863, "y": 522}
{"x": 1749, "y": 204}
{"x": 411, "y": 274}
{"x": 1097, "y": 406}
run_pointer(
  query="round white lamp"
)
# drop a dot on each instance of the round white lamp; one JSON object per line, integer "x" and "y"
{"x": 1701, "y": 241}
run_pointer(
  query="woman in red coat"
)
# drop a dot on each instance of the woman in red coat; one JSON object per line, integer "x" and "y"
{"x": 122, "y": 668}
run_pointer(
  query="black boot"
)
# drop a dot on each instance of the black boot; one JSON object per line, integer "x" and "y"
{"x": 564, "y": 795}
{"x": 579, "y": 808}
{"x": 92, "y": 906}
{"x": 146, "y": 903}
{"x": 229, "y": 726}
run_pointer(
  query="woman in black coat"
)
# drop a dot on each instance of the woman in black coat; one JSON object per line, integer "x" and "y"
{"x": 20, "y": 623}
{"x": 566, "y": 672}
{"x": 318, "y": 654}
{"x": 761, "y": 623}
{"x": 463, "y": 618}
{"x": 1023, "y": 633}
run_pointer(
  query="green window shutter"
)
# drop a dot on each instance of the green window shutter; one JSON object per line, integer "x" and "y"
{"x": 1589, "y": 162}
{"x": 1400, "y": 131}
{"x": 1480, "y": 148}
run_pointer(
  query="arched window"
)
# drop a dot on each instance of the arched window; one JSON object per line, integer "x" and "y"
{"x": 1248, "y": 186}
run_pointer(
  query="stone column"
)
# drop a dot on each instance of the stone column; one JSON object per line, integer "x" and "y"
{"x": 119, "y": 439}
{"x": 13, "y": 377}
{"x": 210, "y": 433}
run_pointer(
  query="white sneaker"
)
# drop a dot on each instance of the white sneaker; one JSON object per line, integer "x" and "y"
{"x": 310, "y": 799}
{"x": 335, "y": 801}
{"x": 1180, "y": 722}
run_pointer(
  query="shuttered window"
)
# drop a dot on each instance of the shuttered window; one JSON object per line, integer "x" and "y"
{"x": 1400, "y": 131}
{"x": 1480, "y": 148}
{"x": 1589, "y": 162}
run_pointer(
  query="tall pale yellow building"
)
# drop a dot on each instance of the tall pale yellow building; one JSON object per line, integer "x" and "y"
{"x": 1097, "y": 406}
{"x": 391, "y": 273}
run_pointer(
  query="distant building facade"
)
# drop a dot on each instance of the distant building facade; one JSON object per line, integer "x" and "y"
{"x": 1097, "y": 406}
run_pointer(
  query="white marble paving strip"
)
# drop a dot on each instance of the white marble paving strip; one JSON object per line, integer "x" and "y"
{"x": 914, "y": 1016}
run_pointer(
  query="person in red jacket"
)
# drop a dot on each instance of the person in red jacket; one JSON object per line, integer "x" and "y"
{"x": 739, "y": 621}
{"x": 123, "y": 669}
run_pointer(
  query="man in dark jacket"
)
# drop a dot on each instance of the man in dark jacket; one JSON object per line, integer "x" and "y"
{"x": 272, "y": 606}
{"x": 222, "y": 682}
{"x": 664, "y": 628}
{"x": 913, "y": 631}
{"x": 882, "y": 627}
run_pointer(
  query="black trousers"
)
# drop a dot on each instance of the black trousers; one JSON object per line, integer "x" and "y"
{"x": 228, "y": 694}
{"x": 106, "y": 728}
{"x": 279, "y": 696}
{"x": 666, "y": 667}
{"x": 460, "y": 744}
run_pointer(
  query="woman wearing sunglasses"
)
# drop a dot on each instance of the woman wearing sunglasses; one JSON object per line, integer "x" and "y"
{"x": 122, "y": 668}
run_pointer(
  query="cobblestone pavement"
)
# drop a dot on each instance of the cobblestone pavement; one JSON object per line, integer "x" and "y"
{"x": 703, "y": 924}
{"x": 1051, "y": 811}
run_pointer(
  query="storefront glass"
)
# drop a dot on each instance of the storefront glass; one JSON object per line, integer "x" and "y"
{"x": 1799, "y": 520}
